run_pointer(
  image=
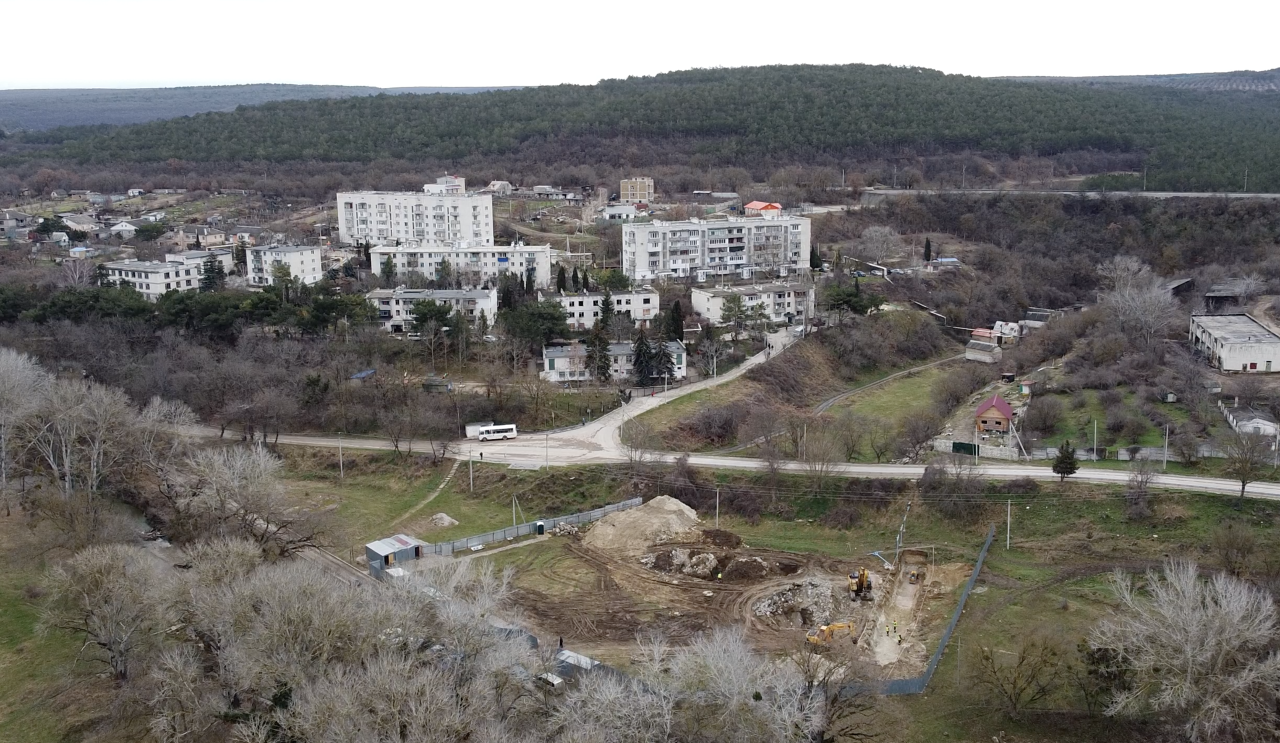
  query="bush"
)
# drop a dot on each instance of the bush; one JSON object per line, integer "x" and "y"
{"x": 1110, "y": 398}
{"x": 844, "y": 515}
{"x": 1043, "y": 415}
{"x": 1020, "y": 486}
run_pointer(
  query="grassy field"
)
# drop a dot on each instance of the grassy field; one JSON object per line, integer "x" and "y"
{"x": 895, "y": 401}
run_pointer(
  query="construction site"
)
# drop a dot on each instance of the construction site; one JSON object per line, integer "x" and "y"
{"x": 659, "y": 568}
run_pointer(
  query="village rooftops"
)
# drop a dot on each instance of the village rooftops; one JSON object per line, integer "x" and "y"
{"x": 1240, "y": 328}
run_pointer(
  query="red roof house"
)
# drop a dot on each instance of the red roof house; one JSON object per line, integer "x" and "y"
{"x": 994, "y": 414}
{"x": 762, "y": 208}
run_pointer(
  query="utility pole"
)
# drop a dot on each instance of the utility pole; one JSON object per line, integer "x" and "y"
{"x": 471, "y": 472}
{"x": 717, "y": 506}
{"x": 1095, "y": 439}
{"x": 1144, "y": 178}
{"x": 546, "y": 449}
{"x": 513, "y": 512}
{"x": 1166, "y": 446}
{"x": 1008, "y": 523}
{"x": 1246, "y": 179}
{"x": 342, "y": 472}
{"x": 963, "y": 169}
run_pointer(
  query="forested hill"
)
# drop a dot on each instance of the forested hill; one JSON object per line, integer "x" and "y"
{"x": 1264, "y": 81}
{"x": 46, "y": 109}
{"x": 830, "y": 115}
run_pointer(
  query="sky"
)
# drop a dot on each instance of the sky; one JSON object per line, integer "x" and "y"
{"x": 439, "y": 43}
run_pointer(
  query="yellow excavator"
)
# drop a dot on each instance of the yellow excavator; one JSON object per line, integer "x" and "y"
{"x": 860, "y": 585}
{"x": 820, "y": 638}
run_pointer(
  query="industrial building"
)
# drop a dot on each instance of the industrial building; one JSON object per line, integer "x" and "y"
{"x": 1235, "y": 343}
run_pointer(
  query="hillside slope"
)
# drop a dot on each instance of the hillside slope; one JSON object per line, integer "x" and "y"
{"x": 831, "y": 115}
{"x": 1258, "y": 81}
{"x": 46, "y": 109}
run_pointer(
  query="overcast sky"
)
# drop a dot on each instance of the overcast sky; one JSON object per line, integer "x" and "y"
{"x": 394, "y": 43}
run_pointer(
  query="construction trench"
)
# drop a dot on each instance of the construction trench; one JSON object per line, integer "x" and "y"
{"x": 658, "y": 569}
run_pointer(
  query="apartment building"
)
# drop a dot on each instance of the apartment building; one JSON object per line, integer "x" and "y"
{"x": 582, "y": 309}
{"x": 305, "y": 263}
{"x": 474, "y": 265}
{"x": 636, "y": 190}
{"x": 707, "y": 248}
{"x": 442, "y": 215}
{"x": 780, "y": 302}
{"x": 568, "y": 363}
{"x": 395, "y": 306}
{"x": 177, "y": 272}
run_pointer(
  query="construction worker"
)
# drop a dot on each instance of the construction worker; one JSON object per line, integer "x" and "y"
{"x": 895, "y": 625}
{"x": 886, "y": 630}
{"x": 899, "y": 639}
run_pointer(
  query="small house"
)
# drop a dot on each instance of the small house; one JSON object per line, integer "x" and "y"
{"x": 983, "y": 351}
{"x": 386, "y": 554}
{"x": 994, "y": 415}
{"x": 1027, "y": 386}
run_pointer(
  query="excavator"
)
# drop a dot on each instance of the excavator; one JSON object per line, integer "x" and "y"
{"x": 860, "y": 585}
{"x": 820, "y": 638}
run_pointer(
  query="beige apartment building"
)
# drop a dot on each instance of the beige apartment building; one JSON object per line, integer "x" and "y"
{"x": 636, "y": 191}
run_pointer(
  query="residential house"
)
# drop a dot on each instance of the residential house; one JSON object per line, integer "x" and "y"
{"x": 638, "y": 190}
{"x": 943, "y": 264}
{"x": 303, "y": 261}
{"x": 395, "y": 306}
{"x": 126, "y": 229}
{"x": 81, "y": 223}
{"x": 442, "y": 215}
{"x": 14, "y": 223}
{"x": 474, "y": 265}
{"x": 1235, "y": 343}
{"x": 60, "y": 239}
{"x": 762, "y": 209}
{"x": 993, "y": 415}
{"x": 568, "y": 362}
{"x": 620, "y": 213}
{"x": 248, "y": 235}
{"x": 498, "y": 188}
{"x": 133, "y": 192}
{"x": 715, "y": 247}
{"x": 982, "y": 351}
{"x": 791, "y": 302}
{"x": 187, "y": 235}
{"x": 582, "y": 309}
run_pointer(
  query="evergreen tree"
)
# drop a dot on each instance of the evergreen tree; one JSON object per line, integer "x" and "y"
{"x": 213, "y": 277}
{"x": 734, "y": 313}
{"x": 1065, "y": 464}
{"x": 577, "y": 280}
{"x": 388, "y": 271}
{"x": 561, "y": 282}
{"x": 675, "y": 322}
{"x": 528, "y": 284}
{"x": 598, "y": 357}
{"x": 815, "y": 260}
{"x": 642, "y": 360}
{"x": 586, "y": 281}
{"x": 444, "y": 274}
{"x": 605, "y": 322}
{"x": 663, "y": 362}
{"x": 102, "y": 278}
{"x": 506, "y": 293}
{"x": 482, "y": 325}
{"x": 928, "y": 250}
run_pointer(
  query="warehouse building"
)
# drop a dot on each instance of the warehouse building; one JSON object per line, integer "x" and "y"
{"x": 1235, "y": 343}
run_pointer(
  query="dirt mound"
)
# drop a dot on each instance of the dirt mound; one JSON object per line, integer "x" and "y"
{"x": 722, "y": 538}
{"x": 807, "y": 603}
{"x": 724, "y": 565}
{"x": 746, "y": 568}
{"x": 443, "y": 520}
{"x": 662, "y": 519}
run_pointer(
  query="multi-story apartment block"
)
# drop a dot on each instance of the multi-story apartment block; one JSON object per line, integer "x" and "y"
{"x": 582, "y": 310}
{"x": 395, "y": 306}
{"x": 780, "y": 302}
{"x": 636, "y": 191}
{"x": 568, "y": 363}
{"x": 177, "y": 272}
{"x": 304, "y": 262}
{"x": 473, "y": 265}
{"x": 706, "y": 248}
{"x": 443, "y": 215}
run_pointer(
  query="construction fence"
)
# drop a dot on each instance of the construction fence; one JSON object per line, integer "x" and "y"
{"x": 523, "y": 530}
{"x": 917, "y": 684}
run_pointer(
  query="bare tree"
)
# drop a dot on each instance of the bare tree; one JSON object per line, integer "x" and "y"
{"x": 1246, "y": 458}
{"x": 1196, "y": 649}
{"x": 1248, "y": 388}
{"x": 1029, "y": 676}
{"x": 23, "y": 385}
{"x": 1235, "y": 544}
{"x": 105, "y": 595}
{"x": 1141, "y": 472}
{"x": 879, "y": 243}
{"x": 710, "y": 352}
{"x": 882, "y": 438}
{"x": 1137, "y": 301}
{"x": 917, "y": 432}
{"x": 850, "y": 430}
{"x": 78, "y": 273}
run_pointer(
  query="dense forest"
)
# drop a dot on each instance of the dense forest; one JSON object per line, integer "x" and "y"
{"x": 46, "y": 109}
{"x": 754, "y": 117}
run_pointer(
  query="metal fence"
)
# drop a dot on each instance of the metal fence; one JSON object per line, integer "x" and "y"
{"x": 917, "y": 684}
{"x": 522, "y": 530}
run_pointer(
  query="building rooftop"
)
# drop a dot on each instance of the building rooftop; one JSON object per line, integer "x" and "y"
{"x": 423, "y": 294}
{"x": 1239, "y": 328}
{"x": 725, "y": 291}
{"x": 997, "y": 402}
{"x": 1230, "y": 288}
{"x": 132, "y": 264}
{"x": 394, "y": 544}
{"x": 285, "y": 248}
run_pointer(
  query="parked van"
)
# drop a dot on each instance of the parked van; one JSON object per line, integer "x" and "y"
{"x": 497, "y": 432}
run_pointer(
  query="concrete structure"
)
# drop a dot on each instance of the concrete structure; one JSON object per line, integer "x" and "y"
{"x": 582, "y": 310}
{"x": 304, "y": 263}
{"x": 548, "y": 193}
{"x": 14, "y": 223}
{"x": 1248, "y": 420}
{"x": 638, "y": 190}
{"x": 474, "y": 265}
{"x": 706, "y": 248}
{"x": 442, "y": 215}
{"x": 81, "y": 223}
{"x": 153, "y": 278}
{"x": 187, "y": 235}
{"x": 791, "y": 302}
{"x": 498, "y": 188}
{"x": 620, "y": 213}
{"x": 196, "y": 258}
{"x": 568, "y": 363}
{"x": 1235, "y": 343}
{"x": 395, "y": 306}
{"x": 982, "y": 351}
{"x": 994, "y": 414}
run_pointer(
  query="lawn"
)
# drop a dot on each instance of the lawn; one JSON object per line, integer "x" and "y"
{"x": 897, "y": 400}
{"x": 1077, "y": 424}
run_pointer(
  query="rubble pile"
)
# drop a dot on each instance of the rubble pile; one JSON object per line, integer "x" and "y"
{"x": 443, "y": 520}
{"x": 805, "y": 603}
{"x": 564, "y": 530}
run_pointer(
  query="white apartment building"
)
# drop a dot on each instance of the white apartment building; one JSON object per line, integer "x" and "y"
{"x": 568, "y": 363}
{"x": 706, "y": 248}
{"x": 395, "y": 306}
{"x": 781, "y": 302}
{"x": 443, "y": 215}
{"x": 177, "y": 272}
{"x": 582, "y": 310}
{"x": 475, "y": 265}
{"x": 305, "y": 263}
{"x": 196, "y": 258}
{"x": 636, "y": 190}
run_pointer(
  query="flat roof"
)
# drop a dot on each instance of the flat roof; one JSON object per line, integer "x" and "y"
{"x": 1239, "y": 328}
{"x": 136, "y": 265}
{"x": 724, "y": 291}
{"x": 394, "y": 544}
{"x": 417, "y": 294}
{"x": 285, "y": 248}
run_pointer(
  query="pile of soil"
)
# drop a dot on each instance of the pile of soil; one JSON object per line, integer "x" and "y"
{"x": 706, "y": 563}
{"x": 807, "y": 603}
{"x": 631, "y": 532}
